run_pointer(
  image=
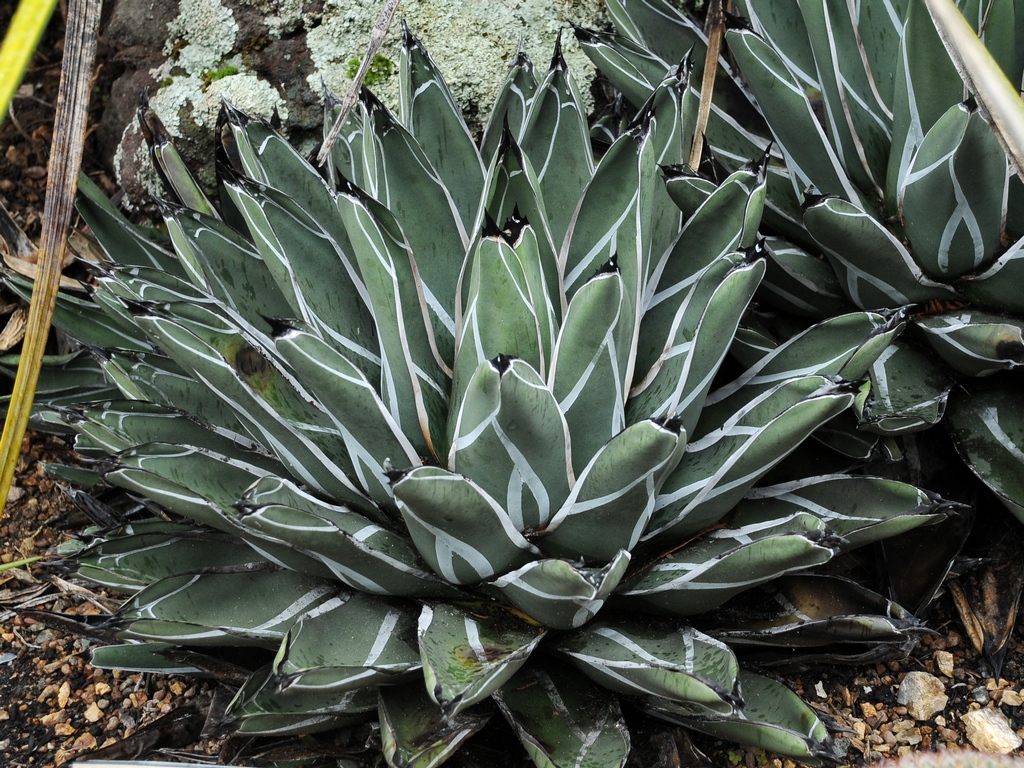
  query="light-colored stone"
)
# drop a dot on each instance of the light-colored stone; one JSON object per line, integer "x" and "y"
{"x": 944, "y": 660}
{"x": 1011, "y": 698}
{"x": 922, "y": 694}
{"x": 989, "y": 730}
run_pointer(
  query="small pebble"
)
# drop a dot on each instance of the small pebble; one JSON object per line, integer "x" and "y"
{"x": 1011, "y": 698}
{"x": 944, "y": 660}
{"x": 924, "y": 695}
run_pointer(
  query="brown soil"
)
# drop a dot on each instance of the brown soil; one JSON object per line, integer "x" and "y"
{"x": 54, "y": 706}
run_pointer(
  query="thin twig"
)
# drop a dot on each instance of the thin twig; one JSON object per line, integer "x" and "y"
{"x": 714, "y": 28}
{"x": 380, "y": 29}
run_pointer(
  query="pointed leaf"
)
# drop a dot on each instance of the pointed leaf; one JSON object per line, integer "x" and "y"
{"x": 559, "y": 594}
{"x": 413, "y": 731}
{"x": 874, "y": 267}
{"x": 562, "y": 719}
{"x": 462, "y": 533}
{"x": 469, "y": 655}
{"x": 349, "y": 642}
{"x": 511, "y": 439}
{"x": 668, "y": 660}
{"x": 952, "y": 198}
{"x": 614, "y": 497}
{"x": 255, "y": 607}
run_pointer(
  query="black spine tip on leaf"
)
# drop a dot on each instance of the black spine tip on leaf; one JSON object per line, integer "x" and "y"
{"x": 557, "y": 59}
{"x": 814, "y": 197}
{"x": 515, "y": 225}
{"x": 756, "y": 251}
{"x": 370, "y": 102}
{"x": 279, "y": 326}
{"x": 236, "y": 117}
{"x": 673, "y": 425}
{"x": 737, "y": 22}
{"x": 140, "y": 308}
{"x": 502, "y": 363}
{"x": 685, "y": 68}
{"x": 610, "y": 267}
{"x": 396, "y": 475}
{"x": 491, "y": 228}
{"x": 409, "y": 40}
{"x": 759, "y": 166}
{"x": 522, "y": 59}
{"x": 584, "y": 35}
{"x": 349, "y": 188}
{"x": 166, "y": 208}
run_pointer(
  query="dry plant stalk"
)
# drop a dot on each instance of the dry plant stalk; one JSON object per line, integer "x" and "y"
{"x": 65, "y": 162}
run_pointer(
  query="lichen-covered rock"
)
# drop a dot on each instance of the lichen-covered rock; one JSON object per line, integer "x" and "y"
{"x": 263, "y": 55}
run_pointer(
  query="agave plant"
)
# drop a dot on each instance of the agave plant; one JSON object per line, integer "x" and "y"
{"x": 445, "y": 435}
{"x": 886, "y": 188}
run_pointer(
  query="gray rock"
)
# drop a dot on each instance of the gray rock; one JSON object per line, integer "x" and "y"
{"x": 262, "y": 55}
{"x": 922, "y": 694}
{"x": 989, "y": 730}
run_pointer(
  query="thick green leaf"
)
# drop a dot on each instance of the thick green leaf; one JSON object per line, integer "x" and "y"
{"x": 810, "y": 610}
{"x": 858, "y": 121}
{"x": 140, "y": 657}
{"x": 400, "y": 177}
{"x": 810, "y": 157}
{"x": 125, "y": 243}
{"x": 838, "y": 502}
{"x": 698, "y": 340}
{"x": 243, "y": 607}
{"x": 372, "y": 438}
{"x": 926, "y": 86}
{"x": 996, "y": 287}
{"x": 953, "y": 195}
{"x": 435, "y": 120}
{"x": 773, "y": 718}
{"x": 349, "y": 642}
{"x": 260, "y": 709}
{"x": 704, "y": 574}
{"x": 468, "y": 654}
{"x": 842, "y": 346}
{"x": 975, "y": 343}
{"x": 988, "y": 430}
{"x": 613, "y": 499}
{"x": 556, "y": 139}
{"x": 591, "y": 356}
{"x": 511, "y": 106}
{"x": 512, "y": 440}
{"x": 224, "y": 263}
{"x": 323, "y": 288}
{"x": 907, "y": 393}
{"x": 560, "y": 594}
{"x": 277, "y": 415}
{"x": 630, "y": 67}
{"x": 562, "y": 719}
{"x": 413, "y": 381}
{"x": 413, "y": 731}
{"x": 876, "y": 270}
{"x": 667, "y": 660}
{"x": 720, "y": 466}
{"x": 462, "y": 533}
{"x": 358, "y": 551}
{"x": 509, "y": 309}
{"x": 139, "y": 554}
{"x": 801, "y": 283}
